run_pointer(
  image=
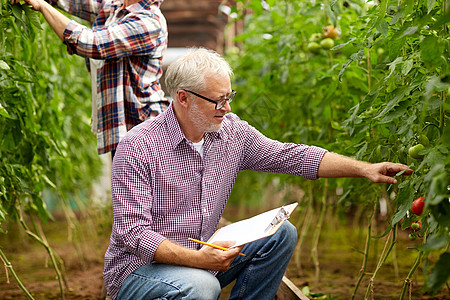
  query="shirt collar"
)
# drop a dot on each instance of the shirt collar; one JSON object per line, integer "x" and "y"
{"x": 176, "y": 135}
{"x": 143, "y": 4}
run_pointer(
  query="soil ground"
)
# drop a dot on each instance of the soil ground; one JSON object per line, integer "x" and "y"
{"x": 339, "y": 260}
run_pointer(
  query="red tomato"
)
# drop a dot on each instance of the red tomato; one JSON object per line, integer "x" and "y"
{"x": 417, "y": 206}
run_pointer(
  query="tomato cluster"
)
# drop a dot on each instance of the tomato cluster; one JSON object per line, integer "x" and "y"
{"x": 417, "y": 209}
{"x": 323, "y": 40}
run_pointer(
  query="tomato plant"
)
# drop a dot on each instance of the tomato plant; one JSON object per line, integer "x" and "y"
{"x": 377, "y": 93}
{"x": 45, "y": 142}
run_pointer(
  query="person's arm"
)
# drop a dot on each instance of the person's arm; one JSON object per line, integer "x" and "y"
{"x": 55, "y": 19}
{"x": 207, "y": 258}
{"x": 334, "y": 165}
{"x": 138, "y": 34}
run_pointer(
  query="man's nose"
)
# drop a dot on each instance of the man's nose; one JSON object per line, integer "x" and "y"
{"x": 226, "y": 107}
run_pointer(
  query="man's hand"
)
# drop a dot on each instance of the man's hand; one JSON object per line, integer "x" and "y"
{"x": 56, "y": 19}
{"x": 384, "y": 172}
{"x": 35, "y": 4}
{"x": 219, "y": 260}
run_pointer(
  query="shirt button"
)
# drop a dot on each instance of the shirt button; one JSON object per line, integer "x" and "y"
{"x": 204, "y": 210}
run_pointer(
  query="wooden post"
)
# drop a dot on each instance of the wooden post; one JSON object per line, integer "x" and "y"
{"x": 288, "y": 291}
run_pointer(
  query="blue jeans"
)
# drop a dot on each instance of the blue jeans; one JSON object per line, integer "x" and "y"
{"x": 258, "y": 274}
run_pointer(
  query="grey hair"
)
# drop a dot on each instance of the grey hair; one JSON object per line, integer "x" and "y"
{"x": 189, "y": 71}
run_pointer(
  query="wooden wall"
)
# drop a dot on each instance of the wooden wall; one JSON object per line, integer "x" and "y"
{"x": 198, "y": 23}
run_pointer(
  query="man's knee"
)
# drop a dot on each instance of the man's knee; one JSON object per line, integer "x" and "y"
{"x": 203, "y": 285}
{"x": 288, "y": 233}
{"x": 170, "y": 282}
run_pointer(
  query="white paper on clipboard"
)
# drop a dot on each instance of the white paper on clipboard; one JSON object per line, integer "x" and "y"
{"x": 254, "y": 228}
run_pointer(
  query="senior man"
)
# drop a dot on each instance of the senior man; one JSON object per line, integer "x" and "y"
{"x": 171, "y": 180}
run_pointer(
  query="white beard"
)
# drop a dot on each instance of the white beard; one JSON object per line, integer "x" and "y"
{"x": 200, "y": 120}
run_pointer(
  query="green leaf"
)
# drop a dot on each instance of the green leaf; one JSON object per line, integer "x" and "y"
{"x": 4, "y": 65}
{"x": 32, "y": 16}
{"x": 344, "y": 44}
{"x": 435, "y": 242}
{"x": 431, "y": 50}
{"x": 395, "y": 46}
{"x": 382, "y": 13}
{"x": 407, "y": 66}
{"x": 393, "y": 65}
{"x": 399, "y": 96}
{"x": 383, "y": 27}
{"x": 430, "y": 4}
{"x": 354, "y": 57}
{"x": 440, "y": 273}
{"x": 405, "y": 201}
{"x": 410, "y": 31}
{"x": 401, "y": 172}
{"x": 17, "y": 11}
{"x": 4, "y": 112}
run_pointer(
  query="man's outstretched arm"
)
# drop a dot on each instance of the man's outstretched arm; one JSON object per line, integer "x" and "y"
{"x": 334, "y": 165}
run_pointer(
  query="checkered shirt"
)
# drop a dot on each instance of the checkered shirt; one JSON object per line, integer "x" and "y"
{"x": 131, "y": 43}
{"x": 163, "y": 189}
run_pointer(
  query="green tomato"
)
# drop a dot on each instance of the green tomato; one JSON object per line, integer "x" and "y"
{"x": 316, "y": 37}
{"x": 423, "y": 139}
{"x": 412, "y": 236}
{"x": 313, "y": 47}
{"x": 327, "y": 43}
{"x": 414, "y": 151}
{"x": 415, "y": 226}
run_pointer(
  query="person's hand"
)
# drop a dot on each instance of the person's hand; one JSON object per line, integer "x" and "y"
{"x": 384, "y": 172}
{"x": 35, "y": 4}
{"x": 219, "y": 260}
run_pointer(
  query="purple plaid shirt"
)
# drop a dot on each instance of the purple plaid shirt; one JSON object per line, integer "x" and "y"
{"x": 163, "y": 189}
{"x": 130, "y": 43}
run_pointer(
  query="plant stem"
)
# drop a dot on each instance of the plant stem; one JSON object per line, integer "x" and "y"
{"x": 383, "y": 257}
{"x": 44, "y": 243}
{"x": 362, "y": 271}
{"x": 314, "y": 251}
{"x": 407, "y": 281}
{"x": 9, "y": 268}
{"x": 306, "y": 224}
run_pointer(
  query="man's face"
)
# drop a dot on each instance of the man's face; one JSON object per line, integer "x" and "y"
{"x": 202, "y": 113}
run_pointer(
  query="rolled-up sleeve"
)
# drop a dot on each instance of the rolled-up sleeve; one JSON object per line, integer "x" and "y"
{"x": 137, "y": 34}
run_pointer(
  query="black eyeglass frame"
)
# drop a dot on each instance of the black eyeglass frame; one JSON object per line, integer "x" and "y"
{"x": 220, "y": 103}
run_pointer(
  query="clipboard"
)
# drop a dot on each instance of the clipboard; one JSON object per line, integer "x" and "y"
{"x": 254, "y": 228}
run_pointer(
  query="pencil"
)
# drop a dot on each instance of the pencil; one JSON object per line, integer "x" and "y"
{"x": 212, "y": 245}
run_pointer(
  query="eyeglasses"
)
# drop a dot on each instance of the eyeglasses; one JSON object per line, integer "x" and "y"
{"x": 219, "y": 104}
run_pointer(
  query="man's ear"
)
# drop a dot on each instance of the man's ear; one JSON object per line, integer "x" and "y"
{"x": 182, "y": 97}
